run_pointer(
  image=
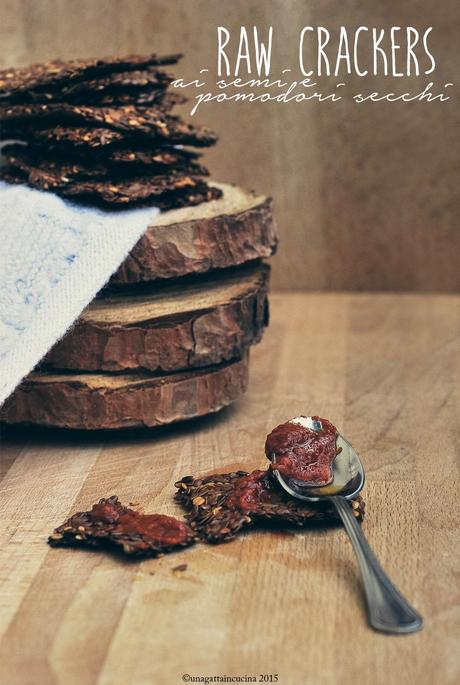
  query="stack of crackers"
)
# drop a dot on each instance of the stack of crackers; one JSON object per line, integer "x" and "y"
{"x": 169, "y": 337}
{"x": 101, "y": 130}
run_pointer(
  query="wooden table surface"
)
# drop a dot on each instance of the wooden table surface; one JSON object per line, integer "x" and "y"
{"x": 385, "y": 370}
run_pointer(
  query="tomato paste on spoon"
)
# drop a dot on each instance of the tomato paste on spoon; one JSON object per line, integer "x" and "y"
{"x": 302, "y": 452}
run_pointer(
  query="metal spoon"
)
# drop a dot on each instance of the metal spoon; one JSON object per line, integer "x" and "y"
{"x": 388, "y": 611}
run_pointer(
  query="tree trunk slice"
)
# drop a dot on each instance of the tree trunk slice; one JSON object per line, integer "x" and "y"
{"x": 237, "y": 228}
{"x": 169, "y": 328}
{"x": 92, "y": 401}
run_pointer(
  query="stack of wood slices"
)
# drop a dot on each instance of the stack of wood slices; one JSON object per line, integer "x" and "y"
{"x": 169, "y": 337}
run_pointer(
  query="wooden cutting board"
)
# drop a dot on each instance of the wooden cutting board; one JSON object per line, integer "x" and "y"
{"x": 183, "y": 326}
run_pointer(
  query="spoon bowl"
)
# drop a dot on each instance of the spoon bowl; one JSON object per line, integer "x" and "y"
{"x": 348, "y": 476}
{"x": 388, "y": 611}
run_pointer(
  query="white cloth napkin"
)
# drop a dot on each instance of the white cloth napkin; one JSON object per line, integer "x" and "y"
{"x": 55, "y": 255}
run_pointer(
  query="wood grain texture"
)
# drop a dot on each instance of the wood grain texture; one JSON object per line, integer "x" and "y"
{"x": 95, "y": 401}
{"x": 383, "y": 368}
{"x": 365, "y": 195}
{"x": 208, "y": 322}
{"x": 237, "y": 228}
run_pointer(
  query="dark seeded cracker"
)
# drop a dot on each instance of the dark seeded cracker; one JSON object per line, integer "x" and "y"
{"x": 58, "y": 171}
{"x": 211, "y": 517}
{"x": 177, "y": 192}
{"x": 130, "y": 118}
{"x": 87, "y": 529}
{"x": 126, "y": 190}
{"x": 15, "y": 82}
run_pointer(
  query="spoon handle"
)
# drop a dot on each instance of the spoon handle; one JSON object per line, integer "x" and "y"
{"x": 388, "y": 611}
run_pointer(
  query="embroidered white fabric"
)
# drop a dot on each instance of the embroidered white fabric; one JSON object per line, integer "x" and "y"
{"x": 55, "y": 255}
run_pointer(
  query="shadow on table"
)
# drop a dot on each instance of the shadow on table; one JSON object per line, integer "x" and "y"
{"x": 64, "y": 437}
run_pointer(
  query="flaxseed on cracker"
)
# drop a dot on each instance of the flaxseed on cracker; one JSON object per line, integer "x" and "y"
{"x": 15, "y": 82}
{"x": 162, "y": 191}
{"x": 130, "y": 118}
{"x": 58, "y": 170}
{"x": 111, "y": 523}
{"x": 221, "y": 505}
